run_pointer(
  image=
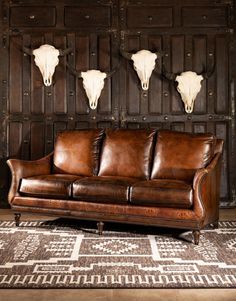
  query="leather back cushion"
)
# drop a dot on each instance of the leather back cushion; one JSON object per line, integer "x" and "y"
{"x": 127, "y": 153}
{"x": 77, "y": 152}
{"x": 178, "y": 155}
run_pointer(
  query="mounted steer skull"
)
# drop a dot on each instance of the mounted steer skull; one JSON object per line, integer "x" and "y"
{"x": 189, "y": 85}
{"x": 93, "y": 83}
{"x": 46, "y": 58}
{"x": 144, "y": 62}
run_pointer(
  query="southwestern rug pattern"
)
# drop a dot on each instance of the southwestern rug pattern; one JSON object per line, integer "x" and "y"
{"x": 54, "y": 255}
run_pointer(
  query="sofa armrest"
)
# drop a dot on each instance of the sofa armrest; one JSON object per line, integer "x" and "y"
{"x": 206, "y": 185}
{"x": 22, "y": 168}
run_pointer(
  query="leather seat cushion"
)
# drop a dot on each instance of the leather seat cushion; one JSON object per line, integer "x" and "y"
{"x": 127, "y": 153}
{"x": 103, "y": 189}
{"x": 178, "y": 155}
{"x": 77, "y": 152}
{"x": 162, "y": 193}
{"x": 48, "y": 186}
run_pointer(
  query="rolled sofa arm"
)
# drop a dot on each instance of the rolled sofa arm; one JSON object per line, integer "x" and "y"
{"x": 22, "y": 168}
{"x": 206, "y": 185}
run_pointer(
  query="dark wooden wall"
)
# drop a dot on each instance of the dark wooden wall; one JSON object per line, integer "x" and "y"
{"x": 192, "y": 34}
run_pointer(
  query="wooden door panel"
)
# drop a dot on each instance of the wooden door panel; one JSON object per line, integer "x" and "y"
{"x": 60, "y": 96}
{"x": 37, "y": 86}
{"x": 177, "y": 62}
{"x": 200, "y": 65}
{"x": 87, "y": 16}
{"x": 104, "y": 64}
{"x": 15, "y": 138}
{"x": 37, "y": 140}
{"x": 133, "y": 82}
{"x": 192, "y": 36}
{"x": 155, "y": 84}
{"x": 199, "y": 127}
{"x": 15, "y": 77}
{"x": 82, "y": 54}
{"x": 222, "y": 65}
{"x": 221, "y": 131}
{"x": 204, "y": 16}
{"x": 33, "y": 16}
{"x": 149, "y": 17}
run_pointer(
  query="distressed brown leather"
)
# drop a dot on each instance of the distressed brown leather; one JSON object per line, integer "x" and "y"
{"x": 170, "y": 217}
{"x": 21, "y": 168}
{"x": 127, "y": 153}
{"x": 206, "y": 184}
{"x": 178, "y": 155}
{"x": 77, "y": 152}
{"x": 48, "y": 186}
{"x": 162, "y": 193}
{"x": 219, "y": 146}
{"x": 185, "y": 194}
{"x": 103, "y": 189}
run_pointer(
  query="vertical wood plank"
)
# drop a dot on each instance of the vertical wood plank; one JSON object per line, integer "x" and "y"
{"x": 211, "y": 82}
{"x": 104, "y": 64}
{"x": 199, "y": 127}
{"x": 70, "y": 78}
{"x": 155, "y": 86}
{"x": 26, "y": 76}
{"x": 60, "y": 99}
{"x": 199, "y": 64}
{"x": 37, "y": 85}
{"x": 177, "y": 60}
{"x": 221, "y": 104}
{"x": 81, "y": 64}
{"x": 133, "y": 82}
{"x": 221, "y": 132}
{"x": 37, "y": 138}
{"x": 15, "y": 78}
{"x": 15, "y": 145}
{"x": 49, "y": 91}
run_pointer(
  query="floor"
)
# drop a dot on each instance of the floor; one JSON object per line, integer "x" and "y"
{"x": 117, "y": 294}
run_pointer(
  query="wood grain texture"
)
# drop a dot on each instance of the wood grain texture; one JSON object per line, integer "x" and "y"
{"x": 192, "y": 36}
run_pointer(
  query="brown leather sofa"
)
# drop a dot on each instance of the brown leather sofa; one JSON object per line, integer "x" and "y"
{"x": 163, "y": 178}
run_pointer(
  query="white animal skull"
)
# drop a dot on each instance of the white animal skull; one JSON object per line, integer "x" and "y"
{"x": 144, "y": 63}
{"x": 93, "y": 83}
{"x": 46, "y": 58}
{"x": 189, "y": 85}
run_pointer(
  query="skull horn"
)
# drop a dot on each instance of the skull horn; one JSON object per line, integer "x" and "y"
{"x": 65, "y": 51}
{"x": 159, "y": 54}
{"x": 125, "y": 54}
{"x": 168, "y": 75}
{"x": 27, "y": 50}
{"x": 74, "y": 71}
{"x": 110, "y": 73}
{"x": 207, "y": 74}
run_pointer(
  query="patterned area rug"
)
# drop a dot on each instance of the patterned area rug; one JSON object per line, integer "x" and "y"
{"x": 62, "y": 254}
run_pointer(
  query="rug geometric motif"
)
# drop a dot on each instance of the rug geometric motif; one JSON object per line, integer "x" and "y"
{"x": 52, "y": 255}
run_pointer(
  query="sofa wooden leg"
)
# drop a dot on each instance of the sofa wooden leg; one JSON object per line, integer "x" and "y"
{"x": 215, "y": 225}
{"x": 100, "y": 226}
{"x": 196, "y": 236}
{"x": 17, "y": 219}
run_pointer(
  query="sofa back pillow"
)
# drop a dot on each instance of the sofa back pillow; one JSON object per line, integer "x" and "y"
{"x": 178, "y": 155}
{"x": 77, "y": 152}
{"x": 127, "y": 153}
